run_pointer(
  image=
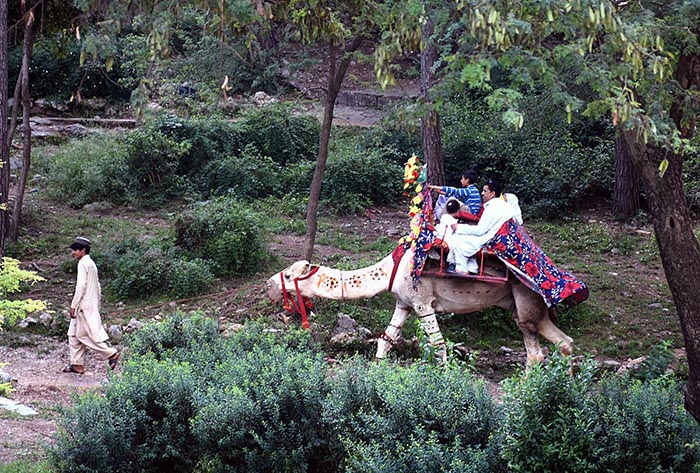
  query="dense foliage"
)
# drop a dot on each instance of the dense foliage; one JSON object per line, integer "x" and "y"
{"x": 262, "y": 400}
{"x": 223, "y": 231}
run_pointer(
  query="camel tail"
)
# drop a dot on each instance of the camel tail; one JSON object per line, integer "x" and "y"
{"x": 553, "y": 315}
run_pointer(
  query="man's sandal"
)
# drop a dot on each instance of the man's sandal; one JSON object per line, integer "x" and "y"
{"x": 73, "y": 369}
{"x": 112, "y": 360}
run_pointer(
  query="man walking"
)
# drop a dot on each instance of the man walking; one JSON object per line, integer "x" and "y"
{"x": 85, "y": 330}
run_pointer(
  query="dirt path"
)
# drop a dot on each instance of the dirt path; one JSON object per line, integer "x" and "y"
{"x": 38, "y": 383}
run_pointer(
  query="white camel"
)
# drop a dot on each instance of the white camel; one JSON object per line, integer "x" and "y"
{"x": 433, "y": 295}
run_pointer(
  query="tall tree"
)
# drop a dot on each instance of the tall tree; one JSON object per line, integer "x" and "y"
{"x": 341, "y": 26}
{"x": 430, "y": 122}
{"x": 642, "y": 59}
{"x": 23, "y": 81}
{"x": 4, "y": 147}
{"x": 626, "y": 194}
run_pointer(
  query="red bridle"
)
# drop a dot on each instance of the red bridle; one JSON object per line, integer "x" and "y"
{"x": 302, "y": 303}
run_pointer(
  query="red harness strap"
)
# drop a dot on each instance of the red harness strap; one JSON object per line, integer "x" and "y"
{"x": 396, "y": 255}
{"x": 300, "y": 305}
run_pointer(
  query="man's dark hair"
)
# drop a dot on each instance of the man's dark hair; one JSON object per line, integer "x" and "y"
{"x": 452, "y": 206}
{"x": 471, "y": 175}
{"x": 494, "y": 186}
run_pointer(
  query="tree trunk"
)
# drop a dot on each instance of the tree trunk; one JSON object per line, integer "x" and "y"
{"x": 27, "y": 129}
{"x": 432, "y": 142}
{"x": 678, "y": 247}
{"x": 4, "y": 147}
{"x": 626, "y": 198}
{"x": 339, "y": 60}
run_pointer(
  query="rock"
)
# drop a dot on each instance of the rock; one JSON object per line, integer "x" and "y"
{"x": 26, "y": 323}
{"x": 14, "y": 406}
{"x": 5, "y": 377}
{"x": 347, "y": 331}
{"x": 133, "y": 326}
{"x": 261, "y": 98}
{"x": 45, "y": 319}
{"x": 115, "y": 333}
{"x": 98, "y": 207}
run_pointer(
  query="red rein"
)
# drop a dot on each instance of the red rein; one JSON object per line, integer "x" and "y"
{"x": 302, "y": 303}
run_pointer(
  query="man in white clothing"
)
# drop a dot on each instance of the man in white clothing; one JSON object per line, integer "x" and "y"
{"x": 467, "y": 240}
{"x": 85, "y": 329}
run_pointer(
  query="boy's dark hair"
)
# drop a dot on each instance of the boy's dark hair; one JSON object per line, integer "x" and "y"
{"x": 452, "y": 206}
{"x": 81, "y": 243}
{"x": 495, "y": 186}
{"x": 471, "y": 175}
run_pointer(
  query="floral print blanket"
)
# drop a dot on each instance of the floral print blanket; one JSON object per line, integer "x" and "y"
{"x": 534, "y": 268}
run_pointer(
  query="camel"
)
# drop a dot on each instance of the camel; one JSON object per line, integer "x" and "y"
{"x": 433, "y": 295}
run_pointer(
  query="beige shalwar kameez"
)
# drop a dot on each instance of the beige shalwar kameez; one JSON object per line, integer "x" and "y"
{"x": 85, "y": 330}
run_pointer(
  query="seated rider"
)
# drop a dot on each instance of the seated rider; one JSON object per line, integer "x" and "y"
{"x": 466, "y": 240}
{"x": 468, "y": 193}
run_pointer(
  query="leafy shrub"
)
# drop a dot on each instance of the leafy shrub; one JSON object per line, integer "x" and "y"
{"x": 11, "y": 280}
{"x": 552, "y": 418}
{"x": 188, "y": 278}
{"x": 550, "y": 165}
{"x": 90, "y": 169}
{"x": 61, "y": 75}
{"x": 249, "y": 176}
{"x": 177, "y": 332}
{"x": 189, "y": 400}
{"x": 153, "y": 159}
{"x": 224, "y": 232}
{"x": 295, "y": 178}
{"x": 644, "y": 427}
{"x": 207, "y": 140}
{"x": 353, "y": 182}
{"x": 265, "y": 413}
{"x": 419, "y": 455}
{"x": 385, "y": 411}
{"x": 142, "y": 269}
{"x": 548, "y": 421}
{"x": 276, "y": 133}
{"x": 142, "y": 423}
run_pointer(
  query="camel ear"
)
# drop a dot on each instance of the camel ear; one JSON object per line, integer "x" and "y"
{"x": 297, "y": 270}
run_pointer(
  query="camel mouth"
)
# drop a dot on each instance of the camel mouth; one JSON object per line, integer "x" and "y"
{"x": 273, "y": 292}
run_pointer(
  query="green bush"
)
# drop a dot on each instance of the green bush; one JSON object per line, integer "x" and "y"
{"x": 190, "y": 400}
{"x": 250, "y": 176}
{"x": 644, "y": 427}
{"x": 90, "y": 169}
{"x": 552, "y": 166}
{"x": 60, "y": 74}
{"x": 421, "y": 456}
{"x": 177, "y": 332}
{"x": 141, "y": 424}
{"x": 552, "y": 418}
{"x": 295, "y": 178}
{"x": 224, "y": 232}
{"x": 153, "y": 160}
{"x": 548, "y": 421}
{"x": 382, "y": 410}
{"x": 353, "y": 181}
{"x": 264, "y": 414}
{"x": 276, "y": 133}
{"x": 138, "y": 269}
{"x": 208, "y": 139}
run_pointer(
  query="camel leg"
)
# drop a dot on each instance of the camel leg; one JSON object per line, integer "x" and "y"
{"x": 387, "y": 339}
{"x": 530, "y": 337}
{"x": 552, "y": 333}
{"x": 429, "y": 324}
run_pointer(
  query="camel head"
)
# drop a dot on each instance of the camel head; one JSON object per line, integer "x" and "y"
{"x": 295, "y": 271}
